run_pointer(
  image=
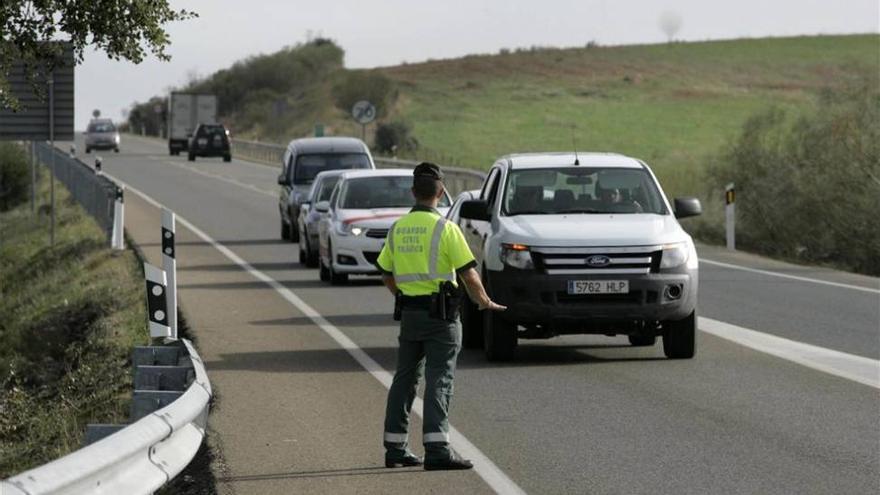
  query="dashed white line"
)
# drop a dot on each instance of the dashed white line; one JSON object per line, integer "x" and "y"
{"x": 483, "y": 466}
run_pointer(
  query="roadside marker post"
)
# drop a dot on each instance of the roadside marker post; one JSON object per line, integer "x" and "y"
{"x": 730, "y": 215}
{"x": 157, "y": 304}
{"x": 117, "y": 239}
{"x": 169, "y": 264}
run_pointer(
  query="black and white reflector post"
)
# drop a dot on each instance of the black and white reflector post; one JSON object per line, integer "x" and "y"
{"x": 117, "y": 239}
{"x": 730, "y": 215}
{"x": 169, "y": 263}
{"x": 157, "y": 304}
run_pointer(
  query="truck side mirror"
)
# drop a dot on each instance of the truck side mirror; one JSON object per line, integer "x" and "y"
{"x": 687, "y": 207}
{"x": 476, "y": 209}
{"x": 282, "y": 180}
{"x": 322, "y": 206}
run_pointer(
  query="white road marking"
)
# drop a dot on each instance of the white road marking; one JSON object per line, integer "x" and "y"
{"x": 483, "y": 466}
{"x": 856, "y": 368}
{"x": 793, "y": 277}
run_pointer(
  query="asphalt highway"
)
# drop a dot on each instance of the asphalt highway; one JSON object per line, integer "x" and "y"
{"x": 576, "y": 414}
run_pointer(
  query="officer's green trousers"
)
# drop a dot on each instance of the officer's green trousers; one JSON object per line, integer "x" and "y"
{"x": 430, "y": 345}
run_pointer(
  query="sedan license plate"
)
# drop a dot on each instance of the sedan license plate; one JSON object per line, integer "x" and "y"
{"x": 203, "y": 141}
{"x": 598, "y": 286}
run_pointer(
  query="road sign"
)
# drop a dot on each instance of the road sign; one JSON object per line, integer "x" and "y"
{"x": 363, "y": 112}
{"x": 32, "y": 122}
{"x": 96, "y": 113}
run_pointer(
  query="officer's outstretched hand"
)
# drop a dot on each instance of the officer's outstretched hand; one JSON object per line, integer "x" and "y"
{"x": 491, "y": 306}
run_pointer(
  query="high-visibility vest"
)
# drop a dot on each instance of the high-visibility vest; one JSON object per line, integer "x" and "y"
{"x": 423, "y": 250}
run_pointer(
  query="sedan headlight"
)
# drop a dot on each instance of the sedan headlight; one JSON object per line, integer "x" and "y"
{"x": 516, "y": 256}
{"x": 674, "y": 255}
{"x": 343, "y": 228}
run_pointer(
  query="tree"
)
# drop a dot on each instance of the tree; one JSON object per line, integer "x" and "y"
{"x": 123, "y": 29}
{"x": 670, "y": 23}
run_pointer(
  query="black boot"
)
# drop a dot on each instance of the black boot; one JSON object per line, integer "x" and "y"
{"x": 453, "y": 462}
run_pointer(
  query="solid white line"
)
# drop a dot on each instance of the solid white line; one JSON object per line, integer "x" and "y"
{"x": 856, "y": 368}
{"x": 793, "y": 277}
{"x": 483, "y": 466}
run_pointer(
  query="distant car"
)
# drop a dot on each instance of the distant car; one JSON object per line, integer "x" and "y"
{"x": 363, "y": 206}
{"x": 302, "y": 161}
{"x": 307, "y": 222}
{"x": 210, "y": 140}
{"x": 101, "y": 134}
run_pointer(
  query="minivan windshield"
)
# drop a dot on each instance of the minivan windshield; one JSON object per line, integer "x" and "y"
{"x": 101, "y": 127}
{"x": 548, "y": 191}
{"x": 380, "y": 192}
{"x": 308, "y": 166}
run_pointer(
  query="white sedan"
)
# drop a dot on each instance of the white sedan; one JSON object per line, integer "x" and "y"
{"x": 363, "y": 206}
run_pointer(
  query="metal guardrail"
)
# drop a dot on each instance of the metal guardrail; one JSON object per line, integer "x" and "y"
{"x": 457, "y": 179}
{"x": 137, "y": 459}
{"x": 97, "y": 194}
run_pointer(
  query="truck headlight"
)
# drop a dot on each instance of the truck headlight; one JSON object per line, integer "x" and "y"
{"x": 674, "y": 255}
{"x": 516, "y": 256}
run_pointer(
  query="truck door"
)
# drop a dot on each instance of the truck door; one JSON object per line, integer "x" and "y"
{"x": 476, "y": 231}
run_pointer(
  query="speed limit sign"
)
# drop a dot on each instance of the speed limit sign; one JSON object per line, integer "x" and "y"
{"x": 363, "y": 112}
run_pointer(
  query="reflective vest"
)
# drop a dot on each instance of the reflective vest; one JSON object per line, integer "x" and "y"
{"x": 423, "y": 250}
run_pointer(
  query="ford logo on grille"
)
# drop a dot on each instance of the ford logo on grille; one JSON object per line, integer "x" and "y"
{"x": 599, "y": 261}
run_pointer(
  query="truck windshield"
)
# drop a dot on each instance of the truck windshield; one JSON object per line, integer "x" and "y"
{"x": 380, "y": 192}
{"x": 308, "y": 166}
{"x": 549, "y": 191}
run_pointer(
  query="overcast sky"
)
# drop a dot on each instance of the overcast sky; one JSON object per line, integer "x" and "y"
{"x": 388, "y": 32}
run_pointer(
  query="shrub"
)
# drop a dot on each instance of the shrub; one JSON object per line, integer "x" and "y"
{"x": 395, "y": 136}
{"x": 14, "y": 176}
{"x": 809, "y": 188}
{"x": 359, "y": 85}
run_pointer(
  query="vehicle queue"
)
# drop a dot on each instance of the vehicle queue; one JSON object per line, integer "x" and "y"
{"x": 572, "y": 243}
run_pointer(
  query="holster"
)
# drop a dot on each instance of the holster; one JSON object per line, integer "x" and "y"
{"x": 398, "y": 306}
{"x": 445, "y": 303}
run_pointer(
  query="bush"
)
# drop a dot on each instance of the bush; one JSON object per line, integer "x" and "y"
{"x": 371, "y": 86}
{"x": 395, "y": 136}
{"x": 809, "y": 188}
{"x": 14, "y": 176}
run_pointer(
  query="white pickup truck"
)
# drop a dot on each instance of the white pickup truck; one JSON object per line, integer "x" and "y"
{"x": 580, "y": 244}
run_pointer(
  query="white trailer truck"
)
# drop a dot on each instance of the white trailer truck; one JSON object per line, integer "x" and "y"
{"x": 185, "y": 112}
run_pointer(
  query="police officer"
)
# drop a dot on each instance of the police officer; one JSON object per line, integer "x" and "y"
{"x": 420, "y": 260}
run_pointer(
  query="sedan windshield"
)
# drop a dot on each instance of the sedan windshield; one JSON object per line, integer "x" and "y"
{"x": 380, "y": 192}
{"x": 325, "y": 188}
{"x": 308, "y": 166}
{"x": 550, "y": 191}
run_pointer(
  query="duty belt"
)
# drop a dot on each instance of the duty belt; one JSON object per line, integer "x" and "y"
{"x": 415, "y": 302}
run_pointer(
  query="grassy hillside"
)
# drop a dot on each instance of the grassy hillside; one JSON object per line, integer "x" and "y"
{"x": 674, "y": 105}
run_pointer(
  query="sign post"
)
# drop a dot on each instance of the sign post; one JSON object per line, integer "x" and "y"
{"x": 169, "y": 264}
{"x": 730, "y": 215}
{"x": 363, "y": 112}
{"x": 117, "y": 240}
{"x": 51, "y": 83}
{"x": 157, "y": 309}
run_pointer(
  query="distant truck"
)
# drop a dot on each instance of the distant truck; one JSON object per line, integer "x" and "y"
{"x": 185, "y": 112}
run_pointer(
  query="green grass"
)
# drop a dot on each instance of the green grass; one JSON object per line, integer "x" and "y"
{"x": 69, "y": 316}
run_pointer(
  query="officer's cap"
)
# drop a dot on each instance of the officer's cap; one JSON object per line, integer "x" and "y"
{"x": 427, "y": 169}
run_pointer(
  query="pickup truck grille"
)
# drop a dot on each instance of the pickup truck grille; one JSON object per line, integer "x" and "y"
{"x": 377, "y": 233}
{"x": 637, "y": 260}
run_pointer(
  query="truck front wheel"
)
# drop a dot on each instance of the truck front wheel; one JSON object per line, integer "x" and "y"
{"x": 471, "y": 324}
{"x": 680, "y": 337}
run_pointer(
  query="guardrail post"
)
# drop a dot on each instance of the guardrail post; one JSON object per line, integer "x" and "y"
{"x": 144, "y": 402}
{"x": 95, "y": 432}
{"x": 157, "y": 303}
{"x": 730, "y": 215}
{"x": 155, "y": 355}
{"x": 169, "y": 264}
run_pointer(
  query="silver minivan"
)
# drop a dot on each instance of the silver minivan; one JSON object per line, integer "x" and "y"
{"x": 101, "y": 134}
{"x": 302, "y": 161}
